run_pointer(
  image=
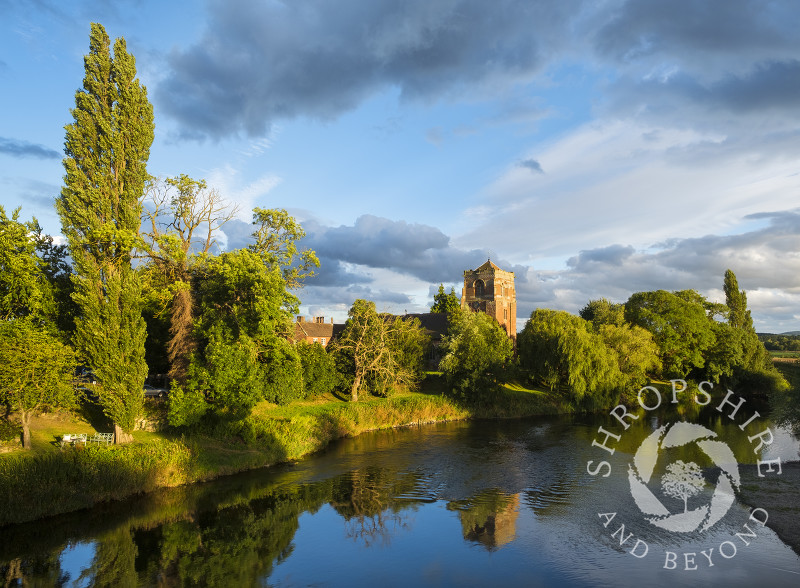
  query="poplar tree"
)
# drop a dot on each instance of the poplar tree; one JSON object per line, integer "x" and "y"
{"x": 106, "y": 148}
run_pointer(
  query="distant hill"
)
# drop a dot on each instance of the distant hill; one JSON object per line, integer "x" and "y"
{"x": 787, "y": 334}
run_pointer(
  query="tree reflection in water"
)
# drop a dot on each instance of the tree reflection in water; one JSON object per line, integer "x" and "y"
{"x": 367, "y": 500}
{"x": 516, "y": 491}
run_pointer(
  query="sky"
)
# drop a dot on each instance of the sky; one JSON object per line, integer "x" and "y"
{"x": 596, "y": 148}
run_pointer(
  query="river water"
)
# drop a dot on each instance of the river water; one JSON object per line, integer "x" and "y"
{"x": 480, "y": 503}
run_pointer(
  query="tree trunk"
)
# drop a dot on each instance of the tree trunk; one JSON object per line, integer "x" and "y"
{"x": 354, "y": 389}
{"x": 26, "y": 430}
{"x": 121, "y": 436}
{"x": 181, "y": 343}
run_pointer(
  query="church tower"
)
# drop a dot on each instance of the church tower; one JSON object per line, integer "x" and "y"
{"x": 491, "y": 290}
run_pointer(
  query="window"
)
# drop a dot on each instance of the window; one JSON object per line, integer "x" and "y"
{"x": 323, "y": 341}
{"x": 315, "y": 339}
{"x": 479, "y": 288}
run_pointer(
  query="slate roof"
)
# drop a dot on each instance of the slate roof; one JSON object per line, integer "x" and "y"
{"x": 434, "y": 323}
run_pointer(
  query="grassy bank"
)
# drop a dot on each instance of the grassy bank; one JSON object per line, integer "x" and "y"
{"x": 48, "y": 480}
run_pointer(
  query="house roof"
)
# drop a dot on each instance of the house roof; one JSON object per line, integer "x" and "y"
{"x": 303, "y": 329}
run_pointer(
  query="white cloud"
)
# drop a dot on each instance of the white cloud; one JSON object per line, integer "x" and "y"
{"x": 621, "y": 182}
{"x": 227, "y": 180}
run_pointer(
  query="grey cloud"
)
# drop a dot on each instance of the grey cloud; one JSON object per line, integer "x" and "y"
{"x": 417, "y": 250}
{"x": 258, "y": 62}
{"x": 22, "y": 149}
{"x": 532, "y": 165}
{"x": 238, "y": 234}
{"x": 767, "y": 88}
{"x": 611, "y": 255}
{"x": 698, "y": 34}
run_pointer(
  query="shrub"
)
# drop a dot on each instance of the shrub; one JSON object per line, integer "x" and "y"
{"x": 319, "y": 369}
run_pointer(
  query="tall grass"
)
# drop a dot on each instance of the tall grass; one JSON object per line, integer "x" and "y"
{"x": 34, "y": 486}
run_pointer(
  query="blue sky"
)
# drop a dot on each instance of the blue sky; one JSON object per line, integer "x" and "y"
{"x": 594, "y": 148}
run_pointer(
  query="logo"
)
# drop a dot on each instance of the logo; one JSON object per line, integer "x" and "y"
{"x": 683, "y": 480}
{"x": 682, "y": 477}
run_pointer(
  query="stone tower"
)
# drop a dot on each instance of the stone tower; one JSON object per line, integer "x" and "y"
{"x": 491, "y": 290}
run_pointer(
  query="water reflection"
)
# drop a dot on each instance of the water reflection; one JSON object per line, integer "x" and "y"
{"x": 489, "y": 519}
{"x": 478, "y": 503}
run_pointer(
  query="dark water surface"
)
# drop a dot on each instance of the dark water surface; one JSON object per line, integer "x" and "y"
{"x": 506, "y": 503}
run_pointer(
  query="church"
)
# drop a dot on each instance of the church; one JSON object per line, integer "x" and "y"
{"x": 487, "y": 289}
{"x": 491, "y": 290}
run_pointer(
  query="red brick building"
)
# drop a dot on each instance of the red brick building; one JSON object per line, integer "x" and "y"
{"x": 314, "y": 331}
{"x": 491, "y": 290}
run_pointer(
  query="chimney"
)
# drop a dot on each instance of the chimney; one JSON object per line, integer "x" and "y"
{"x": 301, "y": 319}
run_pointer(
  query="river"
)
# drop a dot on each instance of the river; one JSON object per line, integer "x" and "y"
{"x": 479, "y": 503}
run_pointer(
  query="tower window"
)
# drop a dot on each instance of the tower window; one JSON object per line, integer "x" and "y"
{"x": 479, "y": 288}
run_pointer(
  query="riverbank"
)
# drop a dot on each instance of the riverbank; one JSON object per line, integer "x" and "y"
{"x": 48, "y": 481}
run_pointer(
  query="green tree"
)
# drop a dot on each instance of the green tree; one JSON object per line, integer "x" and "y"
{"x": 107, "y": 147}
{"x": 242, "y": 327}
{"x": 184, "y": 217}
{"x": 35, "y": 372}
{"x": 637, "y": 354}
{"x": 371, "y": 350}
{"x": 736, "y": 301}
{"x": 238, "y": 292}
{"x": 561, "y": 352}
{"x": 319, "y": 369}
{"x": 754, "y": 369}
{"x": 443, "y": 302}
{"x": 724, "y": 358}
{"x": 476, "y": 353}
{"x": 25, "y": 290}
{"x": 276, "y": 238}
{"x": 230, "y": 375}
{"x": 680, "y": 327}
{"x": 603, "y": 312}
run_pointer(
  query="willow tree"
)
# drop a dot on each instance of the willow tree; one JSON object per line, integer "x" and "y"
{"x": 106, "y": 148}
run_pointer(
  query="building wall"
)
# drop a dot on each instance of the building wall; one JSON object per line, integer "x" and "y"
{"x": 491, "y": 290}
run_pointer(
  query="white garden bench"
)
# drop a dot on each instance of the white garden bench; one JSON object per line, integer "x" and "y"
{"x": 102, "y": 438}
{"x": 73, "y": 439}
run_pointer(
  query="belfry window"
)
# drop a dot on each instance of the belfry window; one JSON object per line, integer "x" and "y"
{"x": 479, "y": 288}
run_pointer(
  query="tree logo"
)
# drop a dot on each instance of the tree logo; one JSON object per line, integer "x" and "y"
{"x": 683, "y": 481}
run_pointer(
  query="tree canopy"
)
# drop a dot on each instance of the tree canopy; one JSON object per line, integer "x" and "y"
{"x": 445, "y": 302}
{"x": 35, "y": 373}
{"x": 562, "y": 352}
{"x": 679, "y": 325}
{"x": 476, "y": 353}
{"x": 377, "y": 351}
{"x": 107, "y": 147}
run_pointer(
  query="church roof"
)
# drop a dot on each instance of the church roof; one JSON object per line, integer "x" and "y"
{"x": 435, "y": 324}
{"x": 488, "y": 267}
